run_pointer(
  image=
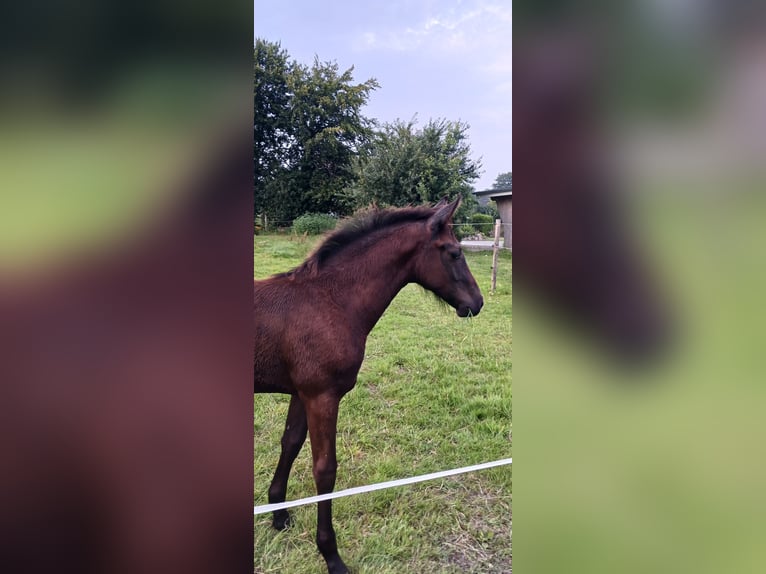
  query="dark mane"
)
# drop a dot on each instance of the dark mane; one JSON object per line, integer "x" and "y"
{"x": 355, "y": 229}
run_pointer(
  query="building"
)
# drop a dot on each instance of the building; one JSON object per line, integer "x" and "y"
{"x": 502, "y": 197}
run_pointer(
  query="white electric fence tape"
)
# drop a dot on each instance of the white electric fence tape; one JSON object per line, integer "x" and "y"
{"x": 378, "y": 486}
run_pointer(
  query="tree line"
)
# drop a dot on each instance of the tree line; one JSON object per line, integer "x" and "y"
{"x": 316, "y": 152}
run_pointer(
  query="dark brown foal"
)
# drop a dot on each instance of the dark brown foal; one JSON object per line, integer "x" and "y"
{"x": 311, "y": 326}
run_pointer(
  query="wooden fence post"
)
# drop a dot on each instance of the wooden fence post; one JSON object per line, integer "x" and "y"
{"x": 495, "y": 249}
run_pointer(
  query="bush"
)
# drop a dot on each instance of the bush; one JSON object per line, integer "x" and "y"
{"x": 483, "y": 223}
{"x": 314, "y": 223}
{"x": 482, "y": 218}
{"x": 489, "y": 209}
{"x": 463, "y": 230}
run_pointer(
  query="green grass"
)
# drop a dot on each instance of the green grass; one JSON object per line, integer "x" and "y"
{"x": 434, "y": 393}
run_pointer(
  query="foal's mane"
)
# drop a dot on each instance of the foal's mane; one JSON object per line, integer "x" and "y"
{"x": 357, "y": 228}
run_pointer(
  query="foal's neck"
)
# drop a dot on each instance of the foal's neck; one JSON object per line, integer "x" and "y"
{"x": 369, "y": 275}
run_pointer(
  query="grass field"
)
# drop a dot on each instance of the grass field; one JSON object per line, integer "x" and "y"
{"x": 434, "y": 393}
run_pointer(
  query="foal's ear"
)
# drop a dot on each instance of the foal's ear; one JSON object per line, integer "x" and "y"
{"x": 442, "y": 216}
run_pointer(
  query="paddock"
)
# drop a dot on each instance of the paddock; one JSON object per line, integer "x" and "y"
{"x": 434, "y": 393}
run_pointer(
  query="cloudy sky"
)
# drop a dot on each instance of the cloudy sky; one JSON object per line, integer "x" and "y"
{"x": 434, "y": 58}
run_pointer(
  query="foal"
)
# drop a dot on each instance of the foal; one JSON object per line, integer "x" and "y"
{"x": 311, "y": 325}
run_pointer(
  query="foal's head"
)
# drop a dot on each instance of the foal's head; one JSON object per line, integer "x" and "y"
{"x": 441, "y": 268}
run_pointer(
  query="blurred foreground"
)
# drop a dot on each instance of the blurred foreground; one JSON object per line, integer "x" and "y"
{"x": 125, "y": 263}
{"x": 638, "y": 402}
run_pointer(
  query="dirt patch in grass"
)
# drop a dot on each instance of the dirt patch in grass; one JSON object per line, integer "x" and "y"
{"x": 480, "y": 548}
{"x": 480, "y": 541}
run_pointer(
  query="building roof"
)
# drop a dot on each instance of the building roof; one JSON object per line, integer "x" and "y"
{"x": 495, "y": 192}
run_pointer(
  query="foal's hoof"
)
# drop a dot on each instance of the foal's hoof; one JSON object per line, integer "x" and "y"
{"x": 336, "y": 566}
{"x": 281, "y": 520}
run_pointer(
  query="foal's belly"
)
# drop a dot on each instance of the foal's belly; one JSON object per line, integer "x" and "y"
{"x": 271, "y": 388}
{"x": 270, "y": 370}
{"x": 271, "y": 376}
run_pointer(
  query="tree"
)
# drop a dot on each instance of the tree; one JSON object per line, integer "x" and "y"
{"x": 503, "y": 181}
{"x": 413, "y": 166}
{"x": 329, "y": 134}
{"x": 271, "y": 127}
{"x": 309, "y": 130}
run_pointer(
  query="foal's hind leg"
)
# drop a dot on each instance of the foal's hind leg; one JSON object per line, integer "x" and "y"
{"x": 292, "y": 441}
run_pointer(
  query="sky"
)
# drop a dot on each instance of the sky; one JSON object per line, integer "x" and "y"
{"x": 433, "y": 59}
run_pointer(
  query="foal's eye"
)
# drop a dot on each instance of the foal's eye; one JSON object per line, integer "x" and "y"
{"x": 457, "y": 254}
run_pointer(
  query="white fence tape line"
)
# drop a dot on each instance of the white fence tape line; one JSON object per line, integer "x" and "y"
{"x": 264, "y": 508}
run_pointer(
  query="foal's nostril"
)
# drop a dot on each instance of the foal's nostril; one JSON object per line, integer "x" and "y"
{"x": 476, "y": 306}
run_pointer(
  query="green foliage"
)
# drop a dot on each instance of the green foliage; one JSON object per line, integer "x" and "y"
{"x": 316, "y": 153}
{"x": 270, "y": 123}
{"x": 314, "y": 223}
{"x": 489, "y": 209}
{"x": 504, "y": 180}
{"x": 481, "y": 218}
{"x": 468, "y": 207}
{"x": 308, "y": 131}
{"x": 463, "y": 230}
{"x": 407, "y": 165}
{"x": 483, "y": 223}
{"x": 475, "y": 223}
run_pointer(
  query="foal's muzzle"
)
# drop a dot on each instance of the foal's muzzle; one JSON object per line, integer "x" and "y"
{"x": 471, "y": 309}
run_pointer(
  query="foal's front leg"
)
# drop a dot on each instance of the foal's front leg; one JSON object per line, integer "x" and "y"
{"x": 322, "y": 414}
{"x": 292, "y": 441}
